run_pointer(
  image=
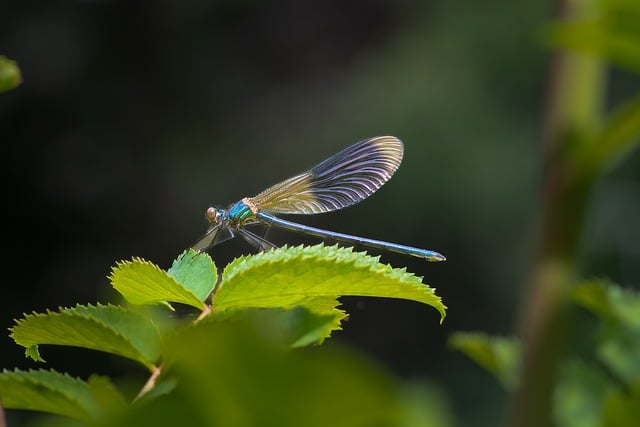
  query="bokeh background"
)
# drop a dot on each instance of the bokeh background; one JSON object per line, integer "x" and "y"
{"x": 135, "y": 116}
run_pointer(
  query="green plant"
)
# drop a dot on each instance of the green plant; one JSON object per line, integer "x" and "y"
{"x": 551, "y": 383}
{"x": 228, "y": 362}
{"x": 9, "y": 74}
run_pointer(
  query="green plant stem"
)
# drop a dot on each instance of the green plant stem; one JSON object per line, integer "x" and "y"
{"x": 151, "y": 382}
{"x": 3, "y": 420}
{"x": 206, "y": 310}
{"x": 573, "y": 113}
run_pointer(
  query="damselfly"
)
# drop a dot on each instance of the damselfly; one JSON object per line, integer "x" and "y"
{"x": 342, "y": 180}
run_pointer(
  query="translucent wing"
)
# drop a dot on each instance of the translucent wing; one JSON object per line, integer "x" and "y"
{"x": 214, "y": 235}
{"x": 342, "y": 180}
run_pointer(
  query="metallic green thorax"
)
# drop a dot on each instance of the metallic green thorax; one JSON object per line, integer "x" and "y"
{"x": 239, "y": 212}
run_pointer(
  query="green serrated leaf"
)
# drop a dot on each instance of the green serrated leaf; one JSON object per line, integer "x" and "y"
{"x": 48, "y": 391}
{"x": 107, "y": 328}
{"x": 9, "y": 74}
{"x": 308, "y": 327}
{"x": 142, "y": 282}
{"x": 195, "y": 271}
{"x": 498, "y": 355}
{"x": 323, "y": 304}
{"x": 294, "y": 276}
{"x": 314, "y": 321}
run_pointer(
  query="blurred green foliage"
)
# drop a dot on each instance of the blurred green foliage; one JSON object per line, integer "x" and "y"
{"x": 608, "y": 30}
{"x": 598, "y": 382}
{"x": 584, "y": 137}
{"x": 9, "y": 74}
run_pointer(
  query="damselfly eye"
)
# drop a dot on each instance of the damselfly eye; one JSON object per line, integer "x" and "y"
{"x": 212, "y": 215}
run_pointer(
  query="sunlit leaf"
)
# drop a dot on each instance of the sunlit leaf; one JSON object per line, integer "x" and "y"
{"x": 292, "y": 276}
{"x": 142, "y": 282}
{"x": 107, "y": 328}
{"x": 196, "y": 272}
{"x": 48, "y": 391}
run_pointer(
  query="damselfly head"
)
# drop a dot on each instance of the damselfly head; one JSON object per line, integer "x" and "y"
{"x": 213, "y": 216}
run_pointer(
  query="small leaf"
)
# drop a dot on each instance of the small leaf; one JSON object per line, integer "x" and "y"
{"x": 611, "y": 31}
{"x": 33, "y": 352}
{"x": 500, "y": 356}
{"x": 142, "y": 282}
{"x": 196, "y": 272}
{"x": 9, "y": 74}
{"x": 592, "y": 296}
{"x": 107, "y": 328}
{"x": 294, "y": 276}
{"x": 619, "y": 349}
{"x": 618, "y": 343}
{"x": 48, "y": 391}
{"x": 608, "y": 300}
{"x": 617, "y": 139}
{"x": 621, "y": 133}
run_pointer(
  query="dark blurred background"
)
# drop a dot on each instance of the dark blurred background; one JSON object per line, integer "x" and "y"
{"x": 135, "y": 116}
